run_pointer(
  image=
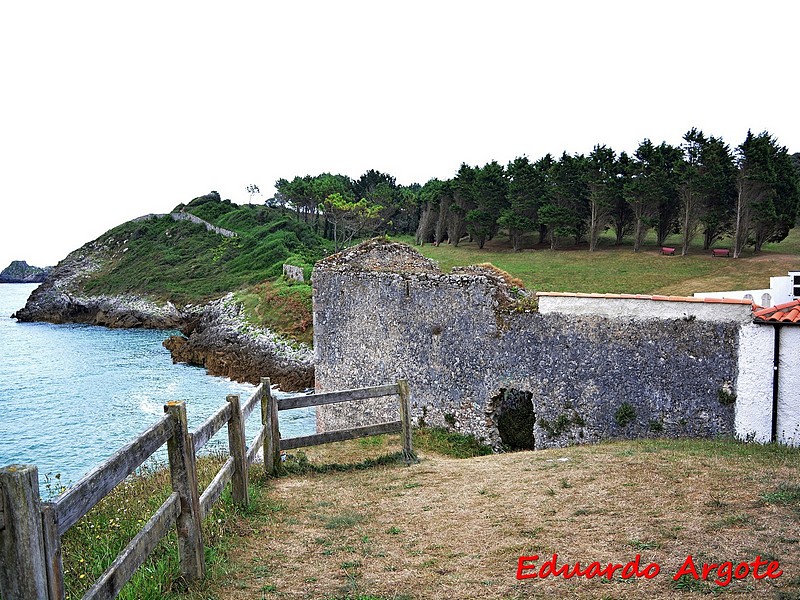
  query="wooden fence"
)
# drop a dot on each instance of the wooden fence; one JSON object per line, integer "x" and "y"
{"x": 31, "y": 530}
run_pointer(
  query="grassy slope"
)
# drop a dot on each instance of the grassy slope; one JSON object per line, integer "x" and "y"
{"x": 184, "y": 263}
{"x": 618, "y": 270}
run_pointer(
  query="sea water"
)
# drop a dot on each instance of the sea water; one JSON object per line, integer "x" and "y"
{"x": 72, "y": 395}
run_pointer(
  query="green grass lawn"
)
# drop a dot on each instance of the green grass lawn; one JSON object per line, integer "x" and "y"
{"x": 617, "y": 269}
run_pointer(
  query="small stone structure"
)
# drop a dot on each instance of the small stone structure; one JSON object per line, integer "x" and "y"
{"x": 483, "y": 356}
{"x": 294, "y": 273}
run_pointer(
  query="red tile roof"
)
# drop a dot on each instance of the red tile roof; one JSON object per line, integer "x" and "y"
{"x": 647, "y": 297}
{"x": 782, "y": 313}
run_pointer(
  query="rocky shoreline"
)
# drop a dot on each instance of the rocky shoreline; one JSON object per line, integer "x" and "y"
{"x": 215, "y": 336}
{"x": 60, "y": 299}
{"x": 225, "y": 344}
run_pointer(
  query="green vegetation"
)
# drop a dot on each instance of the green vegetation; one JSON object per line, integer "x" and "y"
{"x": 725, "y": 397}
{"x": 625, "y": 414}
{"x": 280, "y": 305}
{"x": 182, "y": 262}
{"x": 785, "y": 494}
{"x": 562, "y": 423}
{"x": 615, "y": 269}
{"x": 449, "y": 443}
{"x": 91, "y": 545}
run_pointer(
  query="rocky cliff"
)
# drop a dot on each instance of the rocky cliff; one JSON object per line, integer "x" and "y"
{"x": 225, "y": 344}
{"x": 61, "y": 299}
{"x": 20, "y": 271}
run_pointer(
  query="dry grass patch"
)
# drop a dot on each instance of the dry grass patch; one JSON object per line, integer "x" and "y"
{"x": 451, "y": 528}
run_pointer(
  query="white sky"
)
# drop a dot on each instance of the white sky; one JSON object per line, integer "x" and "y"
{"x": 112, "y": 110}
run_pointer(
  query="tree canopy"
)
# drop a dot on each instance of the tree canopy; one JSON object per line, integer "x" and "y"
{"x": 751, "y": 193}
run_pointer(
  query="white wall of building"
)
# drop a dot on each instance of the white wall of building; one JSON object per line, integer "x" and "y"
{"x": 643, "y": 308}
{"x": 789, "y": 386}
{"x": 754, "y": 384}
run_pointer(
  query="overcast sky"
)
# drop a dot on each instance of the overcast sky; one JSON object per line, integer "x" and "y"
{"x": 114, "y": 110}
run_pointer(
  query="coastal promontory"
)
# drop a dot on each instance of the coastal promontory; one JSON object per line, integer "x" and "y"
{"x": 211, "y": 269}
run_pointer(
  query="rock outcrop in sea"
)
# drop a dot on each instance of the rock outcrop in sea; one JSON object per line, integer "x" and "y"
{"x": 20, "y": 271}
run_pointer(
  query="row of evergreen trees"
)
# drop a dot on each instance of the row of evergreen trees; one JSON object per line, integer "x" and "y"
{"x": 750, "y": 193}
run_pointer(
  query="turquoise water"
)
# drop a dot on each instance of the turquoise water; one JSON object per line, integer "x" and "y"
{"x": 71, "y": 395}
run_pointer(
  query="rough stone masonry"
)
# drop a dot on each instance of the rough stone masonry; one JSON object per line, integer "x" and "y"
{"x": 516, "y": 369}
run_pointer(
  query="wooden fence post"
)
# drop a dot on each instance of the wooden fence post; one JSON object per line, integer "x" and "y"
{"x": 266, "y": 445}
{"x": 22, "y": 563}
{"x": 272, "y": 434}
{"x": 52, "y": 552}
{"x": 184, "y": 481}
{"x": 238, "y": 450}
{"x": 405, "y": 421}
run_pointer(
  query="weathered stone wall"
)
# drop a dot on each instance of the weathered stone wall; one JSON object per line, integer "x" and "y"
{"x": 594, "y": 368}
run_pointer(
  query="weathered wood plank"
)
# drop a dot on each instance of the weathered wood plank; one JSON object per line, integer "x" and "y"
{"x": 238, "y": 451}
{"x": 258, "y": 441}
{"x": 340, "y": 435}
{"x": 22, "y": 561}
{"x": 183, "y": 474}
{"x": 252, "y": 402}
{"x": 212, "y": 493}
{"x": 92, "y": 487}
{"x": 210, "y": 426}
{"x": 272, "y": 434}
{"x": 136, "y": 552}
{"x": 405, "y": 420}
{"x": 52, "y": 552}
{"x": 333, "y": 397}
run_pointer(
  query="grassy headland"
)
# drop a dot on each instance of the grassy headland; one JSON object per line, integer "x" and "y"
{"x": 181, "y": 262}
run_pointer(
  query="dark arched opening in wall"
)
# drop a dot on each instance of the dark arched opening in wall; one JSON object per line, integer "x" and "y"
{"x": 513, "y": 414}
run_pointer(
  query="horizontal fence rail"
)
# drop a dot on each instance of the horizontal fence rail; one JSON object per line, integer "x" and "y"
{"x": 137, "y": 551}
{"x": 210, "y": 427}
{"x": 340, "y": 435}
{"x": 334, "y": 397}
{"x": 273, "y": 444}
{"x": 214, "y": 490}
{"x": 31, "y": 530}
{"x": 79, "y": 499}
